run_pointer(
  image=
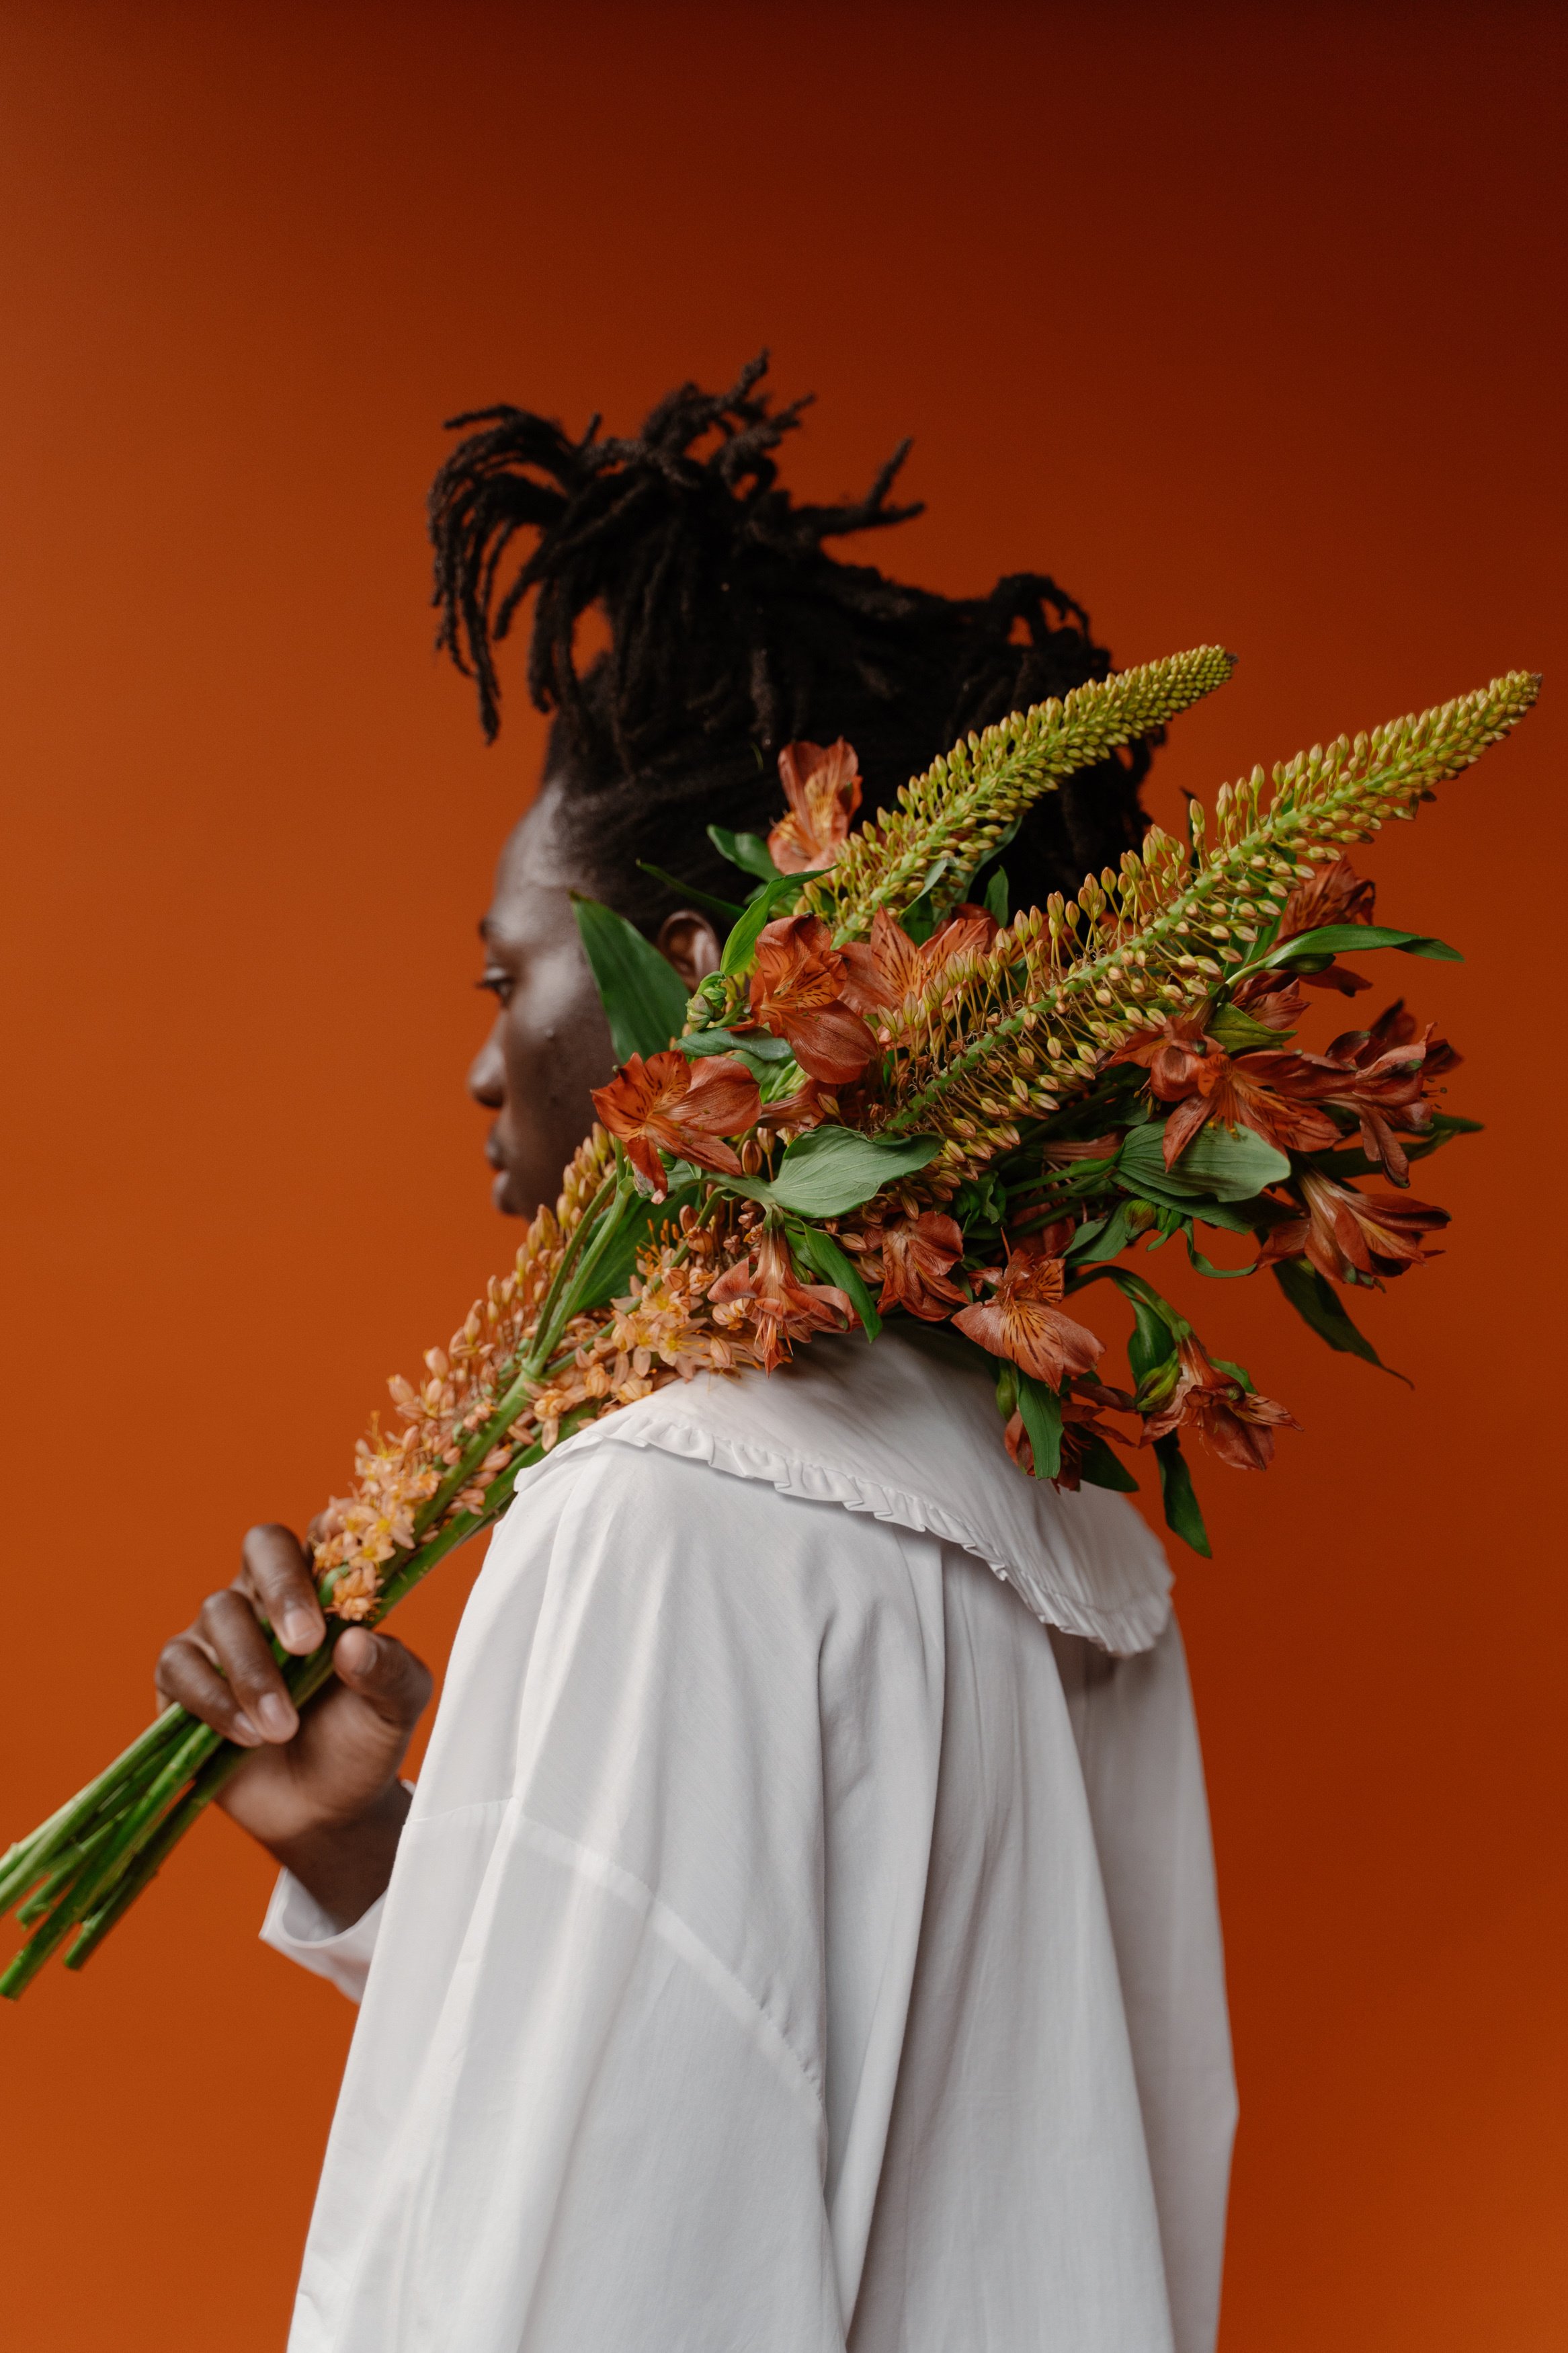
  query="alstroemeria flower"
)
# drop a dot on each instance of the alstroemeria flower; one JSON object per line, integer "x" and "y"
{"x": 800, "y": 1111}
{"x": 1231, "y": 1421}
{"x": 1274, "y": 999}
{"x": 1335, "y": 895}
{"x": 914, "y": 1257}
{"x": 797, "y": 991}
{"x": 822, "y": 785}
{"x": 1345, "y": 1233}
{"x": 669, "y": 1104}
{"x": 1024, "y": 1323}
{"x": 1273, "y": 1093}
{"x": 1389, "y": 1067}
{"x": 783, "y": 1308}
{"x": 887, "y": 970}
{"x": 1172, "y": 1055}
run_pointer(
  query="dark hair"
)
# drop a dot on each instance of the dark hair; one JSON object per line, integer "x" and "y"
{"x": 732, "y": 632}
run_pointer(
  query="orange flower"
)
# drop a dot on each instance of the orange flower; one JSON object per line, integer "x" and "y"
{"x": 783, "y": 1308}
{"x": 1274, "y": 999}
{"x": 916, "y": 1256}
{"x": 1389, "y": 1067}
{"x": 1335, "y": 895}
{"x": 1231, "y": 1421}
{"x": 889, "y": 969}
{"x": 1347, "y": 1234}
{"x": 1172, "y": 1055}
{"x": 797, "y": 991}
{"x": 1272, "y": 1092}
{"x": 669, "y": 1104}
{"x": 822, "y": 786}
{"x": 1024, "y": 1323}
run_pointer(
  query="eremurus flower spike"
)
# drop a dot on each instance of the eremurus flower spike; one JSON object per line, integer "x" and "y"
{"x": 717, "y": 1227}
{"x": 1066, "y": 987}
{"x": 964, "y": 803}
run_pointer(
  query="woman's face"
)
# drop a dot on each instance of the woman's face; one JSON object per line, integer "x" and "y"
{"x": 550, "y": 1042}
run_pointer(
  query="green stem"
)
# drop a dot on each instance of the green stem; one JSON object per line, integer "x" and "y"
{"x": 145, "y": 1869}
{"x": 27, "y": 1858}
{"x": 139, "y": 1825}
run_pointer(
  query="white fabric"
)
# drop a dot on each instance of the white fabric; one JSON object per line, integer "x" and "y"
{"x": 908, "y": 1430}
{"x": 296, "y": 1925}
{"x": 792, "y": 1945}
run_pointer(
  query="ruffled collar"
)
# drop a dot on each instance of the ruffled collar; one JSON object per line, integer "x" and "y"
{"x": 908, "y": 1430}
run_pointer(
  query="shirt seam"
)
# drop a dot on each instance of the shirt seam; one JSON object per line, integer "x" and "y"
{"x": 674, "y": 1932}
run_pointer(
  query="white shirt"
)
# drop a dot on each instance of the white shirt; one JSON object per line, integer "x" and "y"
{"x": 794, "y": 1943}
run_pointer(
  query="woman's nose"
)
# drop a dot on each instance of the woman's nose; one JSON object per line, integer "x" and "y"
{"x": 487, "y": 1072}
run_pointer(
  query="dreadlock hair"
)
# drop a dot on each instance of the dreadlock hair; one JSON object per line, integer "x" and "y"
{"x": 732, "y": 633}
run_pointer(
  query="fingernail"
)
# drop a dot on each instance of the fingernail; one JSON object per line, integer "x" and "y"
{"x": 243, "y": 1733}
{"x": 277, "y": 1718}
{"x": 300, "y": 1630}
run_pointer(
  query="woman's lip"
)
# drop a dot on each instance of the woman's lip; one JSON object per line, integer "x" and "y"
{"x": 498, "y": 1191}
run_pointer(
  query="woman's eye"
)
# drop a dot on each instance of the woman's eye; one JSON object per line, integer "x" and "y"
{"x": 499, "y": 984}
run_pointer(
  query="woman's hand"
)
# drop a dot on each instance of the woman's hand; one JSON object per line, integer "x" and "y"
{"x": 322, "y": 1793}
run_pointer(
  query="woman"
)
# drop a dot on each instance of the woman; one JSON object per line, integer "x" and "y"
{"x": 792, "y": 1941}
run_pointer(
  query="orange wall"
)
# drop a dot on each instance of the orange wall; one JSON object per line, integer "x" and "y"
{"x": 1248, "y": 323}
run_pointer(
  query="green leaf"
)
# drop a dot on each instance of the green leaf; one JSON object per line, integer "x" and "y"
{"x": 1318, "y": 1304}
{"x": 835, "y": 1265}
{"x": 1207, "y": 1265}
{"x": 1098, "y": 1467}
{"x": 726, "y": 910}
{"x": 749, "y": 851}
{"x": 757, "y": 1047}
{"x": 981, "y": 1201}
{"x": 1350, "y": 939}
{"x": 1042, "y": 1412}
{"x": 1182, "y": 1511}
{"x": 833, "y": 1170}
{"x": 1225, "y": 1163}
{"x": 957, "y": 882}
{"x": 1157, "y": 1328}
{"x": 643, "y": 997}
{"x": 1239, "y": 1033}
{"x": 1152, "y": 1342}
{"x": 740, "y": 945}
{"x": 920, "y": 919}
{"x": 996, "y": 896}
{"x": 1105, "y": 1238}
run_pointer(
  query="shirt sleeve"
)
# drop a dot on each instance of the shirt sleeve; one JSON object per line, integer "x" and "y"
{"x": 297, "y": 1927}
{"x": 588, "y": 2101}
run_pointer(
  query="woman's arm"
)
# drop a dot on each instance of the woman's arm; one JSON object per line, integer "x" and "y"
{"x": 322, "y": 1794}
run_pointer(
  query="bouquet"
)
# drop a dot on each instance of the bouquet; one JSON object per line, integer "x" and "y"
{"x": 896, "y": 1097}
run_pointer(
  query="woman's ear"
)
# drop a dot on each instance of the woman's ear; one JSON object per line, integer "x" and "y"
{"x": 689, "y": 943}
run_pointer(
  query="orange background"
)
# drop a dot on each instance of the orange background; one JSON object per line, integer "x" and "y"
{"x": 1248, "y": 323}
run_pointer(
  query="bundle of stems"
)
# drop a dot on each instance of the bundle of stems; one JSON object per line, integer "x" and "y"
{"x": 1030, "y": 1105}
